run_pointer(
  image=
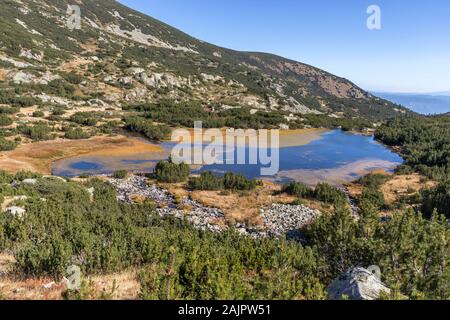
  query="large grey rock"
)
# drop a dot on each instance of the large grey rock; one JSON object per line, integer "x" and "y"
{"x": 16, "y": 211}
{"x": 30, "y": 181}
{"x": 21, "y": 77}
{"x": 357, "y": 284}
{"x": 126, "y": 80}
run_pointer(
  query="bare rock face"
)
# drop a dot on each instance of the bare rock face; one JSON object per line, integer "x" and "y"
{"x": 21, "y": 77}
{"x": 357, "y": 284}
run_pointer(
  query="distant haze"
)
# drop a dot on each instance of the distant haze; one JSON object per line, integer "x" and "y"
{"x": 424, "y": 103}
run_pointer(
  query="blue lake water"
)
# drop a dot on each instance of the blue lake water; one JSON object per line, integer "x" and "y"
{"x": 335, "y": 155}
{"x": 85, "y": 165}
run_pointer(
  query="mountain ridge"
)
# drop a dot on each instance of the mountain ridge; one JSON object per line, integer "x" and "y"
{"x": 111, "y": 32}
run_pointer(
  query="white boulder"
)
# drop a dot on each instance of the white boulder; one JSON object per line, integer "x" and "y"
{"x": 22, "y": 77}
{"x": 357, "y": 284}
{"x": 30, "y": 181}
{"x": 16, "y": 211}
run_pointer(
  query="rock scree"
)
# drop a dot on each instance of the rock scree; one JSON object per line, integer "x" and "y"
{"x": 279, "y": 220}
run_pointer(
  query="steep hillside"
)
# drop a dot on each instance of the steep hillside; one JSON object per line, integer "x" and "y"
{"x": 122, "y": 56}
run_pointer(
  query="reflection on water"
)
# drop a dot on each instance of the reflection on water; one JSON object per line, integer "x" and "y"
{"x": 336, "y": 157}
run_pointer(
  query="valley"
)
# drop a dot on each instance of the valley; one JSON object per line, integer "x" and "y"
{"x": 87, "y": 177}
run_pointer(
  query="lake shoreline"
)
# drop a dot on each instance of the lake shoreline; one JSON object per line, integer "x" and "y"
{"x": 308, "y": 155}
{"x": 40, "y": 156}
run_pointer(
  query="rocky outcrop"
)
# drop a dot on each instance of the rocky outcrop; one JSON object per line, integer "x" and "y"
{"x": 210, "y": 77}
{"x": 21, "y": 77}
{"x": 16, "y": 211}
{"x": 30, "y": 181}
{"x": 125, "y": 80}
{"x": 297, "y": 108}
{"x": 31, "y": 55}
{"x": 357, "y": 284}
{"x": 160, "y": 80}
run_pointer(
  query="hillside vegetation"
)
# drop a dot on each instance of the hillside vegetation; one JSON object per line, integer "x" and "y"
{"x": 424, "y": 142}
{"x": 120, "y": 55}
{"x": 177, "y": 261}
{"x": 126, "y": 71}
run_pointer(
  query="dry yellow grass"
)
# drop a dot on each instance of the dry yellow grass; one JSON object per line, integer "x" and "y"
{"x": 74, "y": 65}
{"x": 3, "y": 74}
{"x": 242, "y": 207}
{"x": 90, "y": 46}
{"x": 125, "y": 284}
{"x": 404, "y": 185}
{"x": 396, "y": 187}
{"x": 39, "y": 156}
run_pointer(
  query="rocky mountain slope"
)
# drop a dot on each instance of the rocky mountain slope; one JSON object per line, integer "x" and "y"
{"x": 120, "y": 56}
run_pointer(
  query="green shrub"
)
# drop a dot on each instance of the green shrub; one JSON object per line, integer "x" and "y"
{"x": 298, "y": 189}
{"x": 9, "y": 110}
{"x": 322, "y": 192}
{"x": 233, "y": 181}
{"x": 230, "y": 181}
{"x": 397, "y": 246}
{"x": 37, "y": 132}
{"x": 329, "y": 194}
{"x": 120, "y": 174}
{"x": 424, "y": 143}
{"x": 76, "y": 134}
{"x": 373, "y": 196}
{"x": 84, "y": 118}
{"x": 38, "y": 114}
{"x": 206, "y": 181}
{"x": 73, "y": 78}
{"x": 373, "y": 180}
{"x": 22, "y": 175}
{"x": 5, "y": 121}
{"x": 6, "y": 145}
{"x": 170, "y": 172}
{"x": 58, "y": 111}
{"x": 6, "y": 177}
{"x": 437, "y": 199}
{"x": 147, "y": 128}
{"x": 176, "y": 261}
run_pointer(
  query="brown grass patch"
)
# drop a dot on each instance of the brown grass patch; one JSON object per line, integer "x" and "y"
{"x": 243, "y": 207}
{"x": 125, "y": 285}
{"x": 3, "y": 74}
{"x": 404, "y": 185}
{"x": 90, "y": 46}
{"x": 74, "y": 65}
{"x": 39, "y": 156}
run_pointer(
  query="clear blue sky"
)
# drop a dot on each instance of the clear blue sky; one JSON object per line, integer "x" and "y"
{"x": 411, "y": 53}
